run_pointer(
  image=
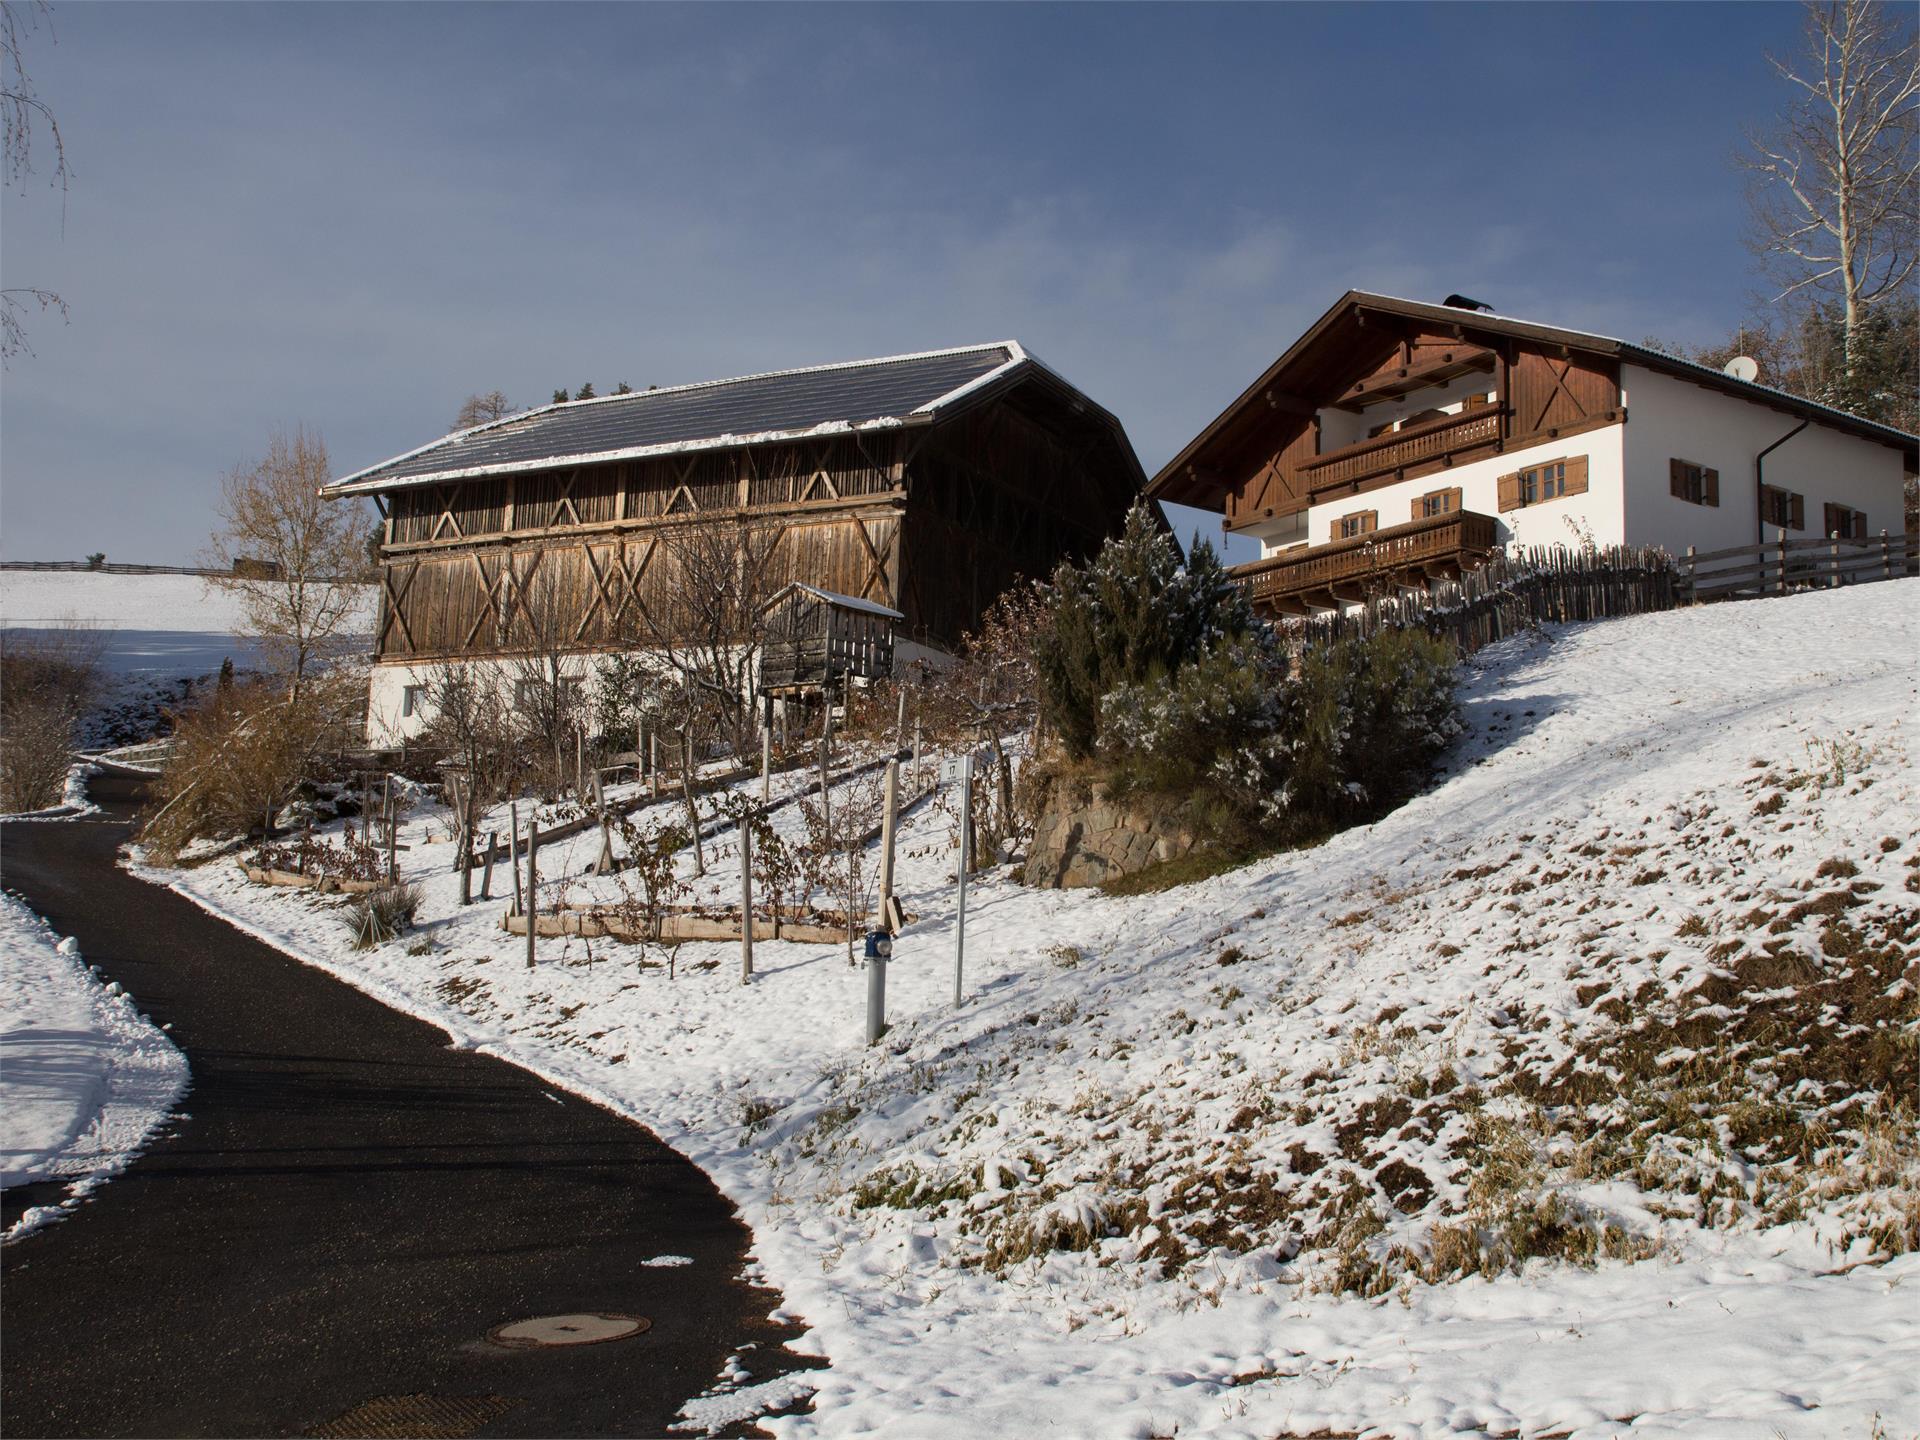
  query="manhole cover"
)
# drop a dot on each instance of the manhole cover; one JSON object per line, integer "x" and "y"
{"x": 417, "y": 1417}
{"x": 591, "y": 1328}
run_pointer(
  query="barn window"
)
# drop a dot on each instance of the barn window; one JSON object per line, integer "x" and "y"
{"x": 1845, "y": 523}
{"x": 1783, "y": 508}
{"x": 1696, "y": 484}
{"x": 1351, "y": 527}
{"x": 413, "y": 699}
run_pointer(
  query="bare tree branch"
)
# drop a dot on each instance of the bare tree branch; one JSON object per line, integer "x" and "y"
{"x": 1833, "y": 192}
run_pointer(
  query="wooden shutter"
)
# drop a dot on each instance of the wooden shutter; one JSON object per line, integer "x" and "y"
{"x": 1799, "y": 516}
{"x": 1830, "y": 522}
{"x": 1510, "y": 491}
{"x": 1676, "y": 479}
{"x": 1709, "y": 487}
{"x": 1576, "y": 475}
{"x": 1369, "y": 521}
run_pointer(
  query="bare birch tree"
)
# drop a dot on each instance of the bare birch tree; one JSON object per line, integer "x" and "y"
{"x": 21, "y": 110}
{"x": 307, "y": 585}
{"x": 1833, "y": 190}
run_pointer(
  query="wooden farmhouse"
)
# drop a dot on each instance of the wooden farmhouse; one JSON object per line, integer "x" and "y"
{"x": 925, "y": 484}
{"x": 1397, "y": 441}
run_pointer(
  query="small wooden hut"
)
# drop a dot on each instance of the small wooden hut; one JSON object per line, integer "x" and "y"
{"x": 817, "y": 640}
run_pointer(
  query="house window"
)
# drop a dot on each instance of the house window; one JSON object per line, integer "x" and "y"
{"x": 1549, "y": 480}
{"x": 1844, "y": 523}
{"x": 1352, "y": 527}
{"x": 1695, "y": 484}
{"x": 412, "y": 699}
{"x": 1783, "y": 508}
{"x": 1543, "y": 482}
{"x": 1437, "y": 503}
{"x": 527, "y": 694}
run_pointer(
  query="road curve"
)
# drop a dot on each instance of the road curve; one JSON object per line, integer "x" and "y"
{"x": 345, "y": 1208}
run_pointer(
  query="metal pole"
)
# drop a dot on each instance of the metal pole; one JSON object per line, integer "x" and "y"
{"x": 876, "y": 998}
{"x": 746, "y": 899}
{"x": 533, "y": 879}
{"x": 960, "y": 915}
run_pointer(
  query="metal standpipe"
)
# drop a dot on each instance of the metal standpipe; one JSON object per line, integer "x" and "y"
{"x": 879, "y": 951}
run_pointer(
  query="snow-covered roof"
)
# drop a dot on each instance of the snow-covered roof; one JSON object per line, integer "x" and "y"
{"x": 848, "y": 602}
{"x": 818, "y": 400}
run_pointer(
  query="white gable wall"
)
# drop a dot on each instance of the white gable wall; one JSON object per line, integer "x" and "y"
{"x": 1670, "y": 418}
{"x": 1598, "y": 513}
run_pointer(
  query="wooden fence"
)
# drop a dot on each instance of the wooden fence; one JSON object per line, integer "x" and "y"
{"x": 1780, "y": 566}
{"x": 1512, "y": 592}
{"x": 109, "y": 569}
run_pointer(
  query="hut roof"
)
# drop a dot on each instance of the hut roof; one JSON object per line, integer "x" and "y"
{"x": 848, "y": 602}
{"x": 716, "y": 414}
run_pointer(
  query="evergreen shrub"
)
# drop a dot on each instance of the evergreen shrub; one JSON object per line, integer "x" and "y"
{"x": 1156, "y": 678}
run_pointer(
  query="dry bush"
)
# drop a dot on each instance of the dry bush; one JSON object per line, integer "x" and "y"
{"x": 242, "y": 753}
{"x": 46, "y": 684}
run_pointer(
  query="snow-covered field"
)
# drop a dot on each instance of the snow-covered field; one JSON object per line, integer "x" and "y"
{"x": 84, "y": 1077}
{"x": 159, "y": 627}
{"x": 1211, "y": 1161}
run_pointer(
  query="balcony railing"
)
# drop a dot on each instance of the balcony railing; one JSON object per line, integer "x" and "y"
{"x": 1399, "y": 449}
{"x": 1323, "y": 576}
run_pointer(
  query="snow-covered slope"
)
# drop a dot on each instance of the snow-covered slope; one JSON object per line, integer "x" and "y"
{"x": 84, "y": 1078}
{"x": 1617, "y": 1022}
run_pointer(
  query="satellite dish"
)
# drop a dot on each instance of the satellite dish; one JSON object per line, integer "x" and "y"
{"x": 1743, "y": 367}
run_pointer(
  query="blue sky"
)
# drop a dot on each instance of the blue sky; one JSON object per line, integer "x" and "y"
{"x": 352, "y": 217}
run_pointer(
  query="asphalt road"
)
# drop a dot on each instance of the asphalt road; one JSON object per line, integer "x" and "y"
{"x": 344, "y": 1209}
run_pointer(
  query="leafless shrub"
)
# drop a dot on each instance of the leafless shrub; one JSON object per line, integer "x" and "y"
{"x": 242, "y": 753}
{"x": 47, "y": 682}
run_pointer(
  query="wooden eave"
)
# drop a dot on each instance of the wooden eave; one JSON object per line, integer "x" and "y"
{"x": 1197, "y": 474}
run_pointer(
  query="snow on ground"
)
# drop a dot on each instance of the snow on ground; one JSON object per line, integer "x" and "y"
{"x": 84, "y": 1077}
{"x": 157, "y": 626}
{"x": 1188, "y": 1162}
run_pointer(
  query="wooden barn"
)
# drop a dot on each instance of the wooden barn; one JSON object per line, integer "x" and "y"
{"x": 925, "y": 484}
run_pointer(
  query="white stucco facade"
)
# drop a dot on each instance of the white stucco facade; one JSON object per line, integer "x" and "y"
{"x": 1629, "y": 497}
{"x": 1669, "y": 418}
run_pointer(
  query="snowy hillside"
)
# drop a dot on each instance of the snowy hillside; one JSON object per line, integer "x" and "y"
{"x": 156, "y": 626}
{"x": 1575, "y": 1094}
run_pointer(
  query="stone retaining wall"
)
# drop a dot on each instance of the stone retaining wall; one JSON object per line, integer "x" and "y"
{"x": 1082, "y": 837}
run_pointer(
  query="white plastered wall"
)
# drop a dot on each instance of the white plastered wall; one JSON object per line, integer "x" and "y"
{"x": 1598, "y": 514}
{"x": 388, "y": 725}
{"x": 1670, "y": 418}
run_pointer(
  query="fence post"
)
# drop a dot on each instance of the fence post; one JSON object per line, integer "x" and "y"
{"x": 960, "y": 912}
{"x": 513, "y": 855}
{"x": 1691, "y": 552}
{"x": 766, "y": 766}
{"x": 533, "y": 879}
{"x": 486, "y": 875}
{"x": 1886, "y": 557}
{"x": 1833, "y": 559}
{"x": 1783, "y": 562}
{"x": 889, "y": 819}
{"x": 746, "y": 899}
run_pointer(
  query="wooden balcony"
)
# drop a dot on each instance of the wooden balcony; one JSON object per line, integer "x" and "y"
{"x": 1324, "y": 577}
{"x": 1418, "y": 445}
